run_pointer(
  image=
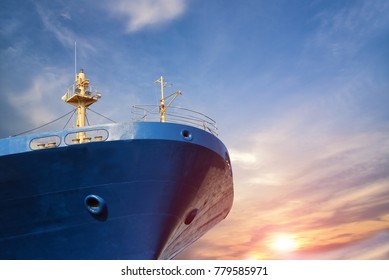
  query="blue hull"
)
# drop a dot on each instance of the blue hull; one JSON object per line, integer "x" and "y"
{"x": 158, "y": 194}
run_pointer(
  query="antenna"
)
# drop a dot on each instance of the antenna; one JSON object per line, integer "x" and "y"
{"x": 75, "y": 60}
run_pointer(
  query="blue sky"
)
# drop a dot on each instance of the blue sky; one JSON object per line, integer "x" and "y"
{"x": 299, "y": 90}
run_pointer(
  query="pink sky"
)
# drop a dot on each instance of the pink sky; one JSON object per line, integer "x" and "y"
{"x": 324, "y": 186}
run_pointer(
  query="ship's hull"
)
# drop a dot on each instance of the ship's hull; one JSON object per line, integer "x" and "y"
{"x": 150, "y": 196}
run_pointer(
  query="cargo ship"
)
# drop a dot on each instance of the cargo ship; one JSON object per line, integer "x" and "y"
{"x": 142, "y": 189}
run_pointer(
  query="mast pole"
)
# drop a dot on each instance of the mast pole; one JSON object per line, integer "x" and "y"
{"x": 162, "y": 107}
{"x": 81, "y": 83}
{"x": 75, "y": 60}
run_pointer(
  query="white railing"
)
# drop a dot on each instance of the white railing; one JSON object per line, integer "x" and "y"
{"x": 150, "y": 113}
{"x": 72, "y": 90}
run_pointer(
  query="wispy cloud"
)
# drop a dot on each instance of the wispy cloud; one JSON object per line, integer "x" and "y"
{"x": 65, "y": 36}
{"x": 349, "y": 28}
{"x": 45, "y": 88}
{"x": 243, "y": 158}
{"x": 66, "y": 14}
{"x": 374, "y": 246}
{"x": 51, "y": 20}
{"x": 139, "y": 14}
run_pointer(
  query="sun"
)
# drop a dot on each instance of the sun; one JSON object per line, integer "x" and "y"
{"x": 284, "y": 243}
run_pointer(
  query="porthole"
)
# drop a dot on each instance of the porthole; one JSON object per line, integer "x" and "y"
{"x": 191, "y": 216}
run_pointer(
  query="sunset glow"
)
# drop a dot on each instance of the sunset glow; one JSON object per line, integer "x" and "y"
{"x": 284, "y": 243}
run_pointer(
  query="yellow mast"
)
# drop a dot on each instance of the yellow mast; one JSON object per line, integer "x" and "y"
{"x": 162, "y": 106}
{"x": 81, "y": 98}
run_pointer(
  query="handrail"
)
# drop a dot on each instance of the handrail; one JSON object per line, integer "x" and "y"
{"x": 72, "y": 90}
{"x": 150, "y": 113}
